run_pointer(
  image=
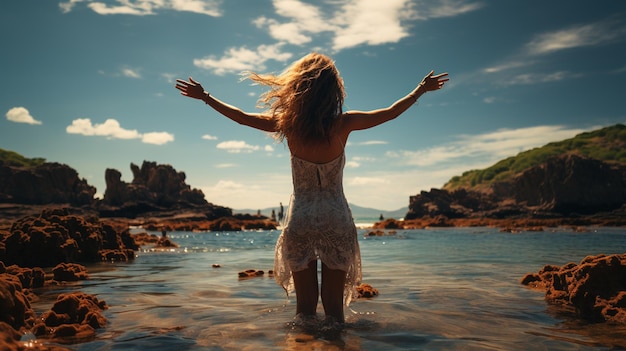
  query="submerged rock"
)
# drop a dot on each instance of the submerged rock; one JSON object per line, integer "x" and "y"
{"x": 596, "y": 287}
{"x": 366, "y": 291}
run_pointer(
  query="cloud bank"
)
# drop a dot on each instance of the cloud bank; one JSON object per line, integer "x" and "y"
{"x": 111, "y": 129}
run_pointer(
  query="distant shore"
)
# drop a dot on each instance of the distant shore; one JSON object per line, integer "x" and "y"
{"x": 191, "y": 221}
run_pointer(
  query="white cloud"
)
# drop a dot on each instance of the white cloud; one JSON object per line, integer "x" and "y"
{"x": 236, "y": 60}
{"x": 580, "y": 36}
{"x": 373, "y": 142}
{"x": 209, "y": 137}
{"x": 111, "y": 129}
{"x": 21, "y": 115}
{"x": 366, "y": 181}
{"x": 506, "y": 66}
{"x": 127, "y": 9}
{"x": 364, "y": 159}
{"x": 237, "y": 146}
{"x": 371, "y": 22}
{"x": 534, "y": 78}
{"x": 486, "y": 148}
{"x": 157, "y": 138}
{"x": 68, "y": 6}
{"x": 450, "y": 8}
{"x": 226, "y": 165}
{"x": 343, "y": 24}
{"x": 352, "y": 164}
{"x": 147, "y": 7}
{"x": 131, "y": 73}
{"x": 592, "y": 34}
{"x": 205, "y": 7}
{"x": 269, "y": 148}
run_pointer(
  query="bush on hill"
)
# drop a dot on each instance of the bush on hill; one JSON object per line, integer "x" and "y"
{"x": 606, "y": 144}
{"x": 11, "y": 158}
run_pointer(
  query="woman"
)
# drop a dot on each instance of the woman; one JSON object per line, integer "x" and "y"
{"x": 305, "y": 109}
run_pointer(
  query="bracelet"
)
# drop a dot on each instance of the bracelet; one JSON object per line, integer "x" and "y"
{"x": 206, "y": 97}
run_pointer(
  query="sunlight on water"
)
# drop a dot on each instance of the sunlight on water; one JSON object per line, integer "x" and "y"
{"x": 444, "y": 289}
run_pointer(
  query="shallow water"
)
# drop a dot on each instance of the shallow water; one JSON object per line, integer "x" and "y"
{"x": 440, "y": 289}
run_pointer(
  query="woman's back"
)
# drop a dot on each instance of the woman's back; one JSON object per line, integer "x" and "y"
{"x": 321, "y": 151}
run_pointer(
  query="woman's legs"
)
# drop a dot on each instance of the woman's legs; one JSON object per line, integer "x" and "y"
{"x": 333, "y": 283}
{"x": 307, "y": 291}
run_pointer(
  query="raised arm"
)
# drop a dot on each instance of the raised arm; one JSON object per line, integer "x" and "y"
{"x": 195, "y": 90}
{"x": 357, "y": 120}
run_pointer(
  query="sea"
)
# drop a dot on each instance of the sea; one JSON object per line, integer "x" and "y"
{"x": 439, "y": 289}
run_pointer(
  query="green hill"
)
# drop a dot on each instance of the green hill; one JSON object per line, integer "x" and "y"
{"x": 606, "y": 144}
{"x": 14, "y": 159}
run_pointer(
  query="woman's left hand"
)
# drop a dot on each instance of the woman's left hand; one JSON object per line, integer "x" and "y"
{"x": 434, "y": 82}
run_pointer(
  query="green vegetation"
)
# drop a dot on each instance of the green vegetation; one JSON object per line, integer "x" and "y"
{"x": 14, "y": 159}
{"x": 607, "y": 144}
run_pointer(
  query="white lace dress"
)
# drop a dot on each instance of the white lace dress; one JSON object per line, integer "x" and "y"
{"x": 318, "y": 225}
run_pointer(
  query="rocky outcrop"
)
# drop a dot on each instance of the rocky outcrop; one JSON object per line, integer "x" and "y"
{"x": 596, "y": 287}
{"x": 56, "y": 236}
{"x": 155, "y": 189}
{"x": 49, "y": 183}
{"x": 74, "y": 315}
{"x": 159, "y": 185}
{"x": 572, "y": 184}
{"x": 563, "y": 186}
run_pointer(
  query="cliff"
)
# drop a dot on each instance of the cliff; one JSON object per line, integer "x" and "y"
{"x": 563, "y": 186}
{"x": 567, "y": 185}
{"x": 45, "y": 183}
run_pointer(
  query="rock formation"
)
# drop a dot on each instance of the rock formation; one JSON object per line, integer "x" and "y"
{"x": 48, "y": 183}
{"x": 572, "y": 184}
{"x": 55, "y": 236}
{"x": 596, "y": 287}
{"x": 160, "y": 185}
{"x": 567, "y": 185}
{"x": 74, "y": 315}
{"x": 155, "y": 188}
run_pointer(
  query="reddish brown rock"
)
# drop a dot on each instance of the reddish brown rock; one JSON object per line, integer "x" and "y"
{"x": 9, "y": 338}
{"x": 69, "y": 272}
{"x": 75, "y": 315}
{"x": 29, "y": 278}
{"x": 56, "y": 236}
{"x": 15, "y": 308}
{"x": 251, "y": 273}
{"x": 596, "y": 287}
{"x": 144, "y": 238}
{"x": 366, "y": 291}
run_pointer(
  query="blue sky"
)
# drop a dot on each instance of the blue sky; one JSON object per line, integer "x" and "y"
{"x": 91, "y": 84}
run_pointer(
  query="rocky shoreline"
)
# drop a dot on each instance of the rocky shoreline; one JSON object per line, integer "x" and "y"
{"x": 50, "y": 223}
{"x": 43, "y": 251}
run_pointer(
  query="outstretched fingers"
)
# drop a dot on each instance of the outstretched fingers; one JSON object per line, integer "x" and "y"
{"x": 192, "y": 88}
{"x": 440, "y": 79}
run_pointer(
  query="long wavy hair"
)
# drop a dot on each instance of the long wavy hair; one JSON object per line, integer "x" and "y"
{"x": 306, "y": 100}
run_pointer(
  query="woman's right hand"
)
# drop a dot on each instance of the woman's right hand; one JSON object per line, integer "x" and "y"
{"x": 191, "y": 89}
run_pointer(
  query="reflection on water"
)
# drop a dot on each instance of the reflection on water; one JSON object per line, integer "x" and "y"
{"x": 443, "y": 289}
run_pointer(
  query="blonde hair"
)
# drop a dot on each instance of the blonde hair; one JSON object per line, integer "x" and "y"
{"x": 306, "y": 100}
